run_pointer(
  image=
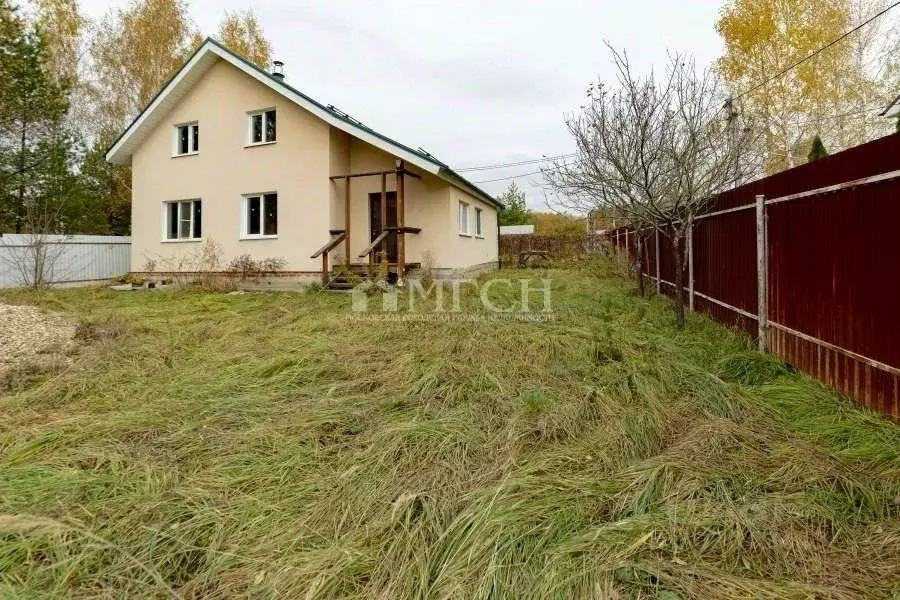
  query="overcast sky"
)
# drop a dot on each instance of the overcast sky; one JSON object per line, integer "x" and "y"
{"x": 474, "y": 82}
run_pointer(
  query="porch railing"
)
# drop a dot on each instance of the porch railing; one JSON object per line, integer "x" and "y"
{"x": 338, "y": 236}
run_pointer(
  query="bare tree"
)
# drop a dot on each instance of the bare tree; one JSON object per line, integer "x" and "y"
{"x": 618, "y": 136}
{"x": 655, "y": 152}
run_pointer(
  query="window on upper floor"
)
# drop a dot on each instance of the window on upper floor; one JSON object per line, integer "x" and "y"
{"x": 259, "y": 215}
{"x": 463, "y": 218}
{"x": 262, "y": 127}
{"x": 187, "y": 139}
{"x": 183, "y": 220}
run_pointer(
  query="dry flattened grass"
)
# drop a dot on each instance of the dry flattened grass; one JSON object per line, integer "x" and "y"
{"x": 264, "y": 446}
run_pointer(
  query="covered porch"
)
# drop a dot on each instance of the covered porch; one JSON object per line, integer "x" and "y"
{"x": 381, "y": 227}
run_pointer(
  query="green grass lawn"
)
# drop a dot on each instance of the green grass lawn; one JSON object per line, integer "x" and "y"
{"x": 213, "y": 446}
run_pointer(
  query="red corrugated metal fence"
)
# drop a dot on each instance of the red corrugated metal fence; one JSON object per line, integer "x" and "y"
{"x": 832, "y": 258}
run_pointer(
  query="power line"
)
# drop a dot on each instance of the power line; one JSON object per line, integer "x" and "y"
{"x": 817, "y": 52}
{"x": 515, "y": 164}
{"x": 510, "y": 177}
{"x": 807, "y": 121}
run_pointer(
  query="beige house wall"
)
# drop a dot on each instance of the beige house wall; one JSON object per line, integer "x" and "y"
{"x": 472, "y": 250}
{"x": 297, "y": 167}
{"x": 225, "y": 169}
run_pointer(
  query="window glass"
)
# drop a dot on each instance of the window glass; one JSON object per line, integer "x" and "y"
{"x": 477, "y": 221}
{"x": 253, "y": 215}
{"x": 270, "y": 219}
{"x": 463, "y": 217}
{"x": 196, "y": 131}
{"x": 172, "y": 214}
{"x": 184, "y": 223}
{"x": 270, "y": 126}
{"x": 257, "y": 128}
{"x": 198, "y": 230}
{"x": 183, "y": 140}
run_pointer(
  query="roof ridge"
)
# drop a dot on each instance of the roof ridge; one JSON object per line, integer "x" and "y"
{"x": 330, "y": 109}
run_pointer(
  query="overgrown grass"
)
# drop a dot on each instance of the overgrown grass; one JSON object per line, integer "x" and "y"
{"x": 263, "y": 446}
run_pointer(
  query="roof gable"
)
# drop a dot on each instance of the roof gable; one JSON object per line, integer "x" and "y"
{"x": 208, "y": 54}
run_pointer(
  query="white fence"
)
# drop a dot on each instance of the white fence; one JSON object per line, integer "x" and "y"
{"x": 63, "y": 260}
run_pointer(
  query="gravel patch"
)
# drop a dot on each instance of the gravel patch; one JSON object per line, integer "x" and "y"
{"x": 29, "y": 334}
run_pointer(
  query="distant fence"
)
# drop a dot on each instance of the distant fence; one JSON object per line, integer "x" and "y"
{"x": 806, "y": 261}
{"x": 62, "y": 260}
{"x": 557, "y": 246}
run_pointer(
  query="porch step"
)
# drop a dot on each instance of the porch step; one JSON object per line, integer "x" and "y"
{"x": 339, "y": 279}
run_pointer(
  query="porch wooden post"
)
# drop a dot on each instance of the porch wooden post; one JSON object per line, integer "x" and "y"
{"x": 384, "y": 244}
{"x": 347, "y": 222}
{"x": 401, "y": 223}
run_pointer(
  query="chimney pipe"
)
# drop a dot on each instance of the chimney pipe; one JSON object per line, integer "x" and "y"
{"x": 278, "y": 69}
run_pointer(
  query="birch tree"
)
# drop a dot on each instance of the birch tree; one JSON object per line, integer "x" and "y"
{"x": 135, "y": 50}
{"x": 242, "y": 34}
{"x": 836, "y": 93}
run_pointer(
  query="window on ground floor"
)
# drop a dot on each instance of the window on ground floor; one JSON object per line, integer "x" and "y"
{"x": 260, "y": 215}
{"x": 463, "y": 218}
{"x": 478, "y": 222}
{"x": 183, "y": 220}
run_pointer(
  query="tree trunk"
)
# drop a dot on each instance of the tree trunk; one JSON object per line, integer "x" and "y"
{"x": 640, "y": 251}
{"x": 679, "y": 279}
{"x": 20, "y": 207}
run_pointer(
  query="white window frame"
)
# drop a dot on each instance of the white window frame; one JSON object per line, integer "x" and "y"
{"x": 479, "y": 222}
{"x": 245, "y": 224}
{"x": 176, "y": 144}
{"x": 261, "y": 113}
{"x": 165, "y": 221}
{"x": 463, "y": 218}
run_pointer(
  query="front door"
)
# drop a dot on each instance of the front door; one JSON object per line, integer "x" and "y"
{"x": 376, "y": 227}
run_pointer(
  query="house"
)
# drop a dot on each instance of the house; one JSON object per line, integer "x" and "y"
{"x": 229, "y": 152}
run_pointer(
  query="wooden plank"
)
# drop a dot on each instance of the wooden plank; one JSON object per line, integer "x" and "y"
{"x": 383, "y": 211}
{"x": 331, "y": 245}
{"x": 375, "y": 243}
{"x": 401, "y": 222}
{"x": 347, "y": 221}
{"x": 371, "y": 174}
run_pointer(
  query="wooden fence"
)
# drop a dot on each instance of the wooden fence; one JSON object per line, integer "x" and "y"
{"x": 805, "y": 262}
{"x": 558, "y": 247}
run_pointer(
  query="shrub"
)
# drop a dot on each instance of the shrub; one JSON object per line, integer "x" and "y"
{"x": 249, "y": 267}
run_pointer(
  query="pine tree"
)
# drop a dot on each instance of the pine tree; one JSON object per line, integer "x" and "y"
{"x": 817, "y": 150}
{"x": 515, "y": 211}
{"x": 32, "y": 108}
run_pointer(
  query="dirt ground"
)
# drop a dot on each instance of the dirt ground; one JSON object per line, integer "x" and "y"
{"x": 31, "y": 340}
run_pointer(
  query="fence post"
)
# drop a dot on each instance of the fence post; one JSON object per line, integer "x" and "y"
{"x": 762, "y": 271}
{"x": 658, "y": 271}
{"x": 690, "y": 253}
